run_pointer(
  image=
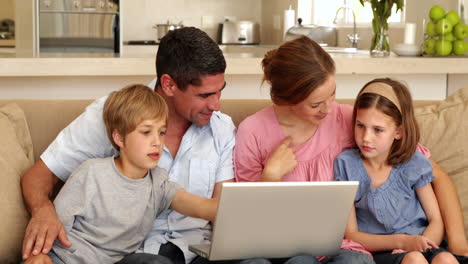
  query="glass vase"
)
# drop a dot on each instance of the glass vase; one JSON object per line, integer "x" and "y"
{"x": 380, "y": 46}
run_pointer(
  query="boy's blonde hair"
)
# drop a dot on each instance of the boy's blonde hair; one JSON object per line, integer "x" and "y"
{"x": 126, "y": 108}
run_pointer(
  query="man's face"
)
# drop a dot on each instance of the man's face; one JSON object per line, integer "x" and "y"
{"x": 197, "y": 103}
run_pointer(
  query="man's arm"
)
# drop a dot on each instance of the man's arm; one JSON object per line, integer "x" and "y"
{"x": 44, "y": 227}
{"x": 450, "y": 209}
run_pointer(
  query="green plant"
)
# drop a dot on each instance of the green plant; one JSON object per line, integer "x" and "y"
{"x": 381, "y": 11}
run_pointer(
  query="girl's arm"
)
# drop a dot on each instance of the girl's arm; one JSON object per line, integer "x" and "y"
{"x": 374, "y": 242}
{"x": 450, "y": 209}
{"x": 195, "y": 206}
{"x": 435, "y": 230}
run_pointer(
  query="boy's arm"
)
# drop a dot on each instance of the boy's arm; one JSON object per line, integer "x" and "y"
{"x": 435, "y": 229}
{"x": 450, "y": 209}
{"x": 195, "y": 206}
{"x": 374, "y": 242}
{"x": 44, "y": 227}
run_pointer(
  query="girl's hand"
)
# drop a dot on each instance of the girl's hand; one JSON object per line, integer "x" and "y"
{"x": 417, "y": 243}
{"x": 39, "y": 259}
{"x": 398, "y": 251}
{"x": 281, "y": 162}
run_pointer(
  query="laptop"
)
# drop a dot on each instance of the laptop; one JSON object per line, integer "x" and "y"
{"x": 279, "y": 220}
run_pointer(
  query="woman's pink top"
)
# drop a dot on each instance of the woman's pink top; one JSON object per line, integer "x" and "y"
{"x": 260, "y": 134}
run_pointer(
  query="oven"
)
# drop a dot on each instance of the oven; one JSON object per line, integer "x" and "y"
{"x": 79, "y": 26}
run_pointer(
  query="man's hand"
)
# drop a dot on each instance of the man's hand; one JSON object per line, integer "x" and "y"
{"x": 416, "y": 243}
{"x": 281, "y": 162}
{"x": 39, "y": 259}
{"x": 43, "y": 228}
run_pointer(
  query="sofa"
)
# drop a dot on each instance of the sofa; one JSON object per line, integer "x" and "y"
{"x": 28, "y": 126}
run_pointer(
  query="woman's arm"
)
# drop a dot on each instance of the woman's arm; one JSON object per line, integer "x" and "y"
{"x": 450, "y": 209}
{"x": 435, "y": 229}
{"x": 374, "y": 242}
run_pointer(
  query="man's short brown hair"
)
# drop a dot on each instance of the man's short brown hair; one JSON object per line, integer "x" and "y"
{"x": 126, "y": 108}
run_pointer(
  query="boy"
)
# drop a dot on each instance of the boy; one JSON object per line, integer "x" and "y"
{"x": 108, "y": 205}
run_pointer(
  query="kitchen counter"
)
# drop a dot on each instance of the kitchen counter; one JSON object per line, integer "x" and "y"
{"x": 245, "y": 61}
{"x": 81, "y": 76}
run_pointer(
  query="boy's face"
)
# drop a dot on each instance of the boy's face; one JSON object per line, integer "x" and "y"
{"x": 141, "y": 149}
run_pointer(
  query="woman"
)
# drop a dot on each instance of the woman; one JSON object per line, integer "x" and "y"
{"x": 300, "y": 135}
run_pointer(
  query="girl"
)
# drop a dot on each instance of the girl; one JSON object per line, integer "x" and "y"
{"x": 396, "y": 213}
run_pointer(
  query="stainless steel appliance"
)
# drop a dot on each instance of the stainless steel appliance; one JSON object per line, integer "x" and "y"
{"x": 79, "y": 26}
{"x": 324, "y": 35}
{"x": 162, "y": 29}
{"x": 239, "y": 32}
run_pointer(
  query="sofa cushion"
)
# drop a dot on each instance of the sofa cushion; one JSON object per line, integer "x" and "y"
{"x": 444, "y": 130}
{"x": 16, "y": 156}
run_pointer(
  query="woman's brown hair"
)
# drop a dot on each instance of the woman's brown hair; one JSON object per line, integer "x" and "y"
{"x": 295, "y": 70}
{"x": 403, "y": 149}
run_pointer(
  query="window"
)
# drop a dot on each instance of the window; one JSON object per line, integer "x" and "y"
{"x": 324, "y": 11}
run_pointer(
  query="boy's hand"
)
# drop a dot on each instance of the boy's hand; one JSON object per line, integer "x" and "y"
{"x": 417, "y": 243}
{"x": 281, "y": 162}
{"x": 39, "y": 259}
{"x": 43, "y": 228}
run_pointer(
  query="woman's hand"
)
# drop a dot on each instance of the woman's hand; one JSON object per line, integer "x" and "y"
{"x": 416, "y": 243}
{"x": 281, "y": 162}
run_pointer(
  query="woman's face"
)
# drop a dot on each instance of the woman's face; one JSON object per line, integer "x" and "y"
{"x": 316, "y": 107}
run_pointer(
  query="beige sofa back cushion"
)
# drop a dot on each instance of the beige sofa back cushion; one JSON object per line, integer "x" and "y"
{"x": 444, "y": 130}
{"x": 16, "y": 156}
{"x": 46, "y": 118}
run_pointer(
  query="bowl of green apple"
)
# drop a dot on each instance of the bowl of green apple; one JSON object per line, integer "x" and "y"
{"x": 445, "y": 34}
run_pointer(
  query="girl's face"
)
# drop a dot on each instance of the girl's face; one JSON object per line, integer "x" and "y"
{"x": 316, "y": 107}
{"x": 374, "y": 133}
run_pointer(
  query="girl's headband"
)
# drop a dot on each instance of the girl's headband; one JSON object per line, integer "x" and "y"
{"x": 384, "y": 90}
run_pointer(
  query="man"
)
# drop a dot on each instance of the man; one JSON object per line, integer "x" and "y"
{"x": 198, "y": 152}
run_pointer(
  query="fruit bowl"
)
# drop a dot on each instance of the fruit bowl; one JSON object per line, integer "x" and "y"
{"x": 444, "y": 34}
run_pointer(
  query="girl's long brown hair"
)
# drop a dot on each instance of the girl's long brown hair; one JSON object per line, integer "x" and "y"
{"x": 403, "y": 149}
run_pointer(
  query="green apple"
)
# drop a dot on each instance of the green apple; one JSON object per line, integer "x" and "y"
{"x": 460, "y": 31}
{"x": 443, "y": 47}
{"x": 453, "y": 17}
{"x": 436, "y": 12}
{"x": 429, "y": 46}
{"x": 460, "y": 47}
{"x": 431, "y": 29}
{"x": 443, "y": 26}
{"x": 448, "y": 36}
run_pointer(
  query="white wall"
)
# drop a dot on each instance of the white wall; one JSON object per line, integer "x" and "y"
{"x": 422, "y": 86}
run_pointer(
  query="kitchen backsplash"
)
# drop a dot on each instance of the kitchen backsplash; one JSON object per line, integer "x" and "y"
{"x": 139, "y": 17}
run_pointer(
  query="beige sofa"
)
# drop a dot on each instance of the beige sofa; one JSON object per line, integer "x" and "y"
{"x": 28, "y": 126}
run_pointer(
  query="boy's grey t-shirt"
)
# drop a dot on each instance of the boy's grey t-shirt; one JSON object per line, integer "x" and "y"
{"x": 107, "y": 215}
